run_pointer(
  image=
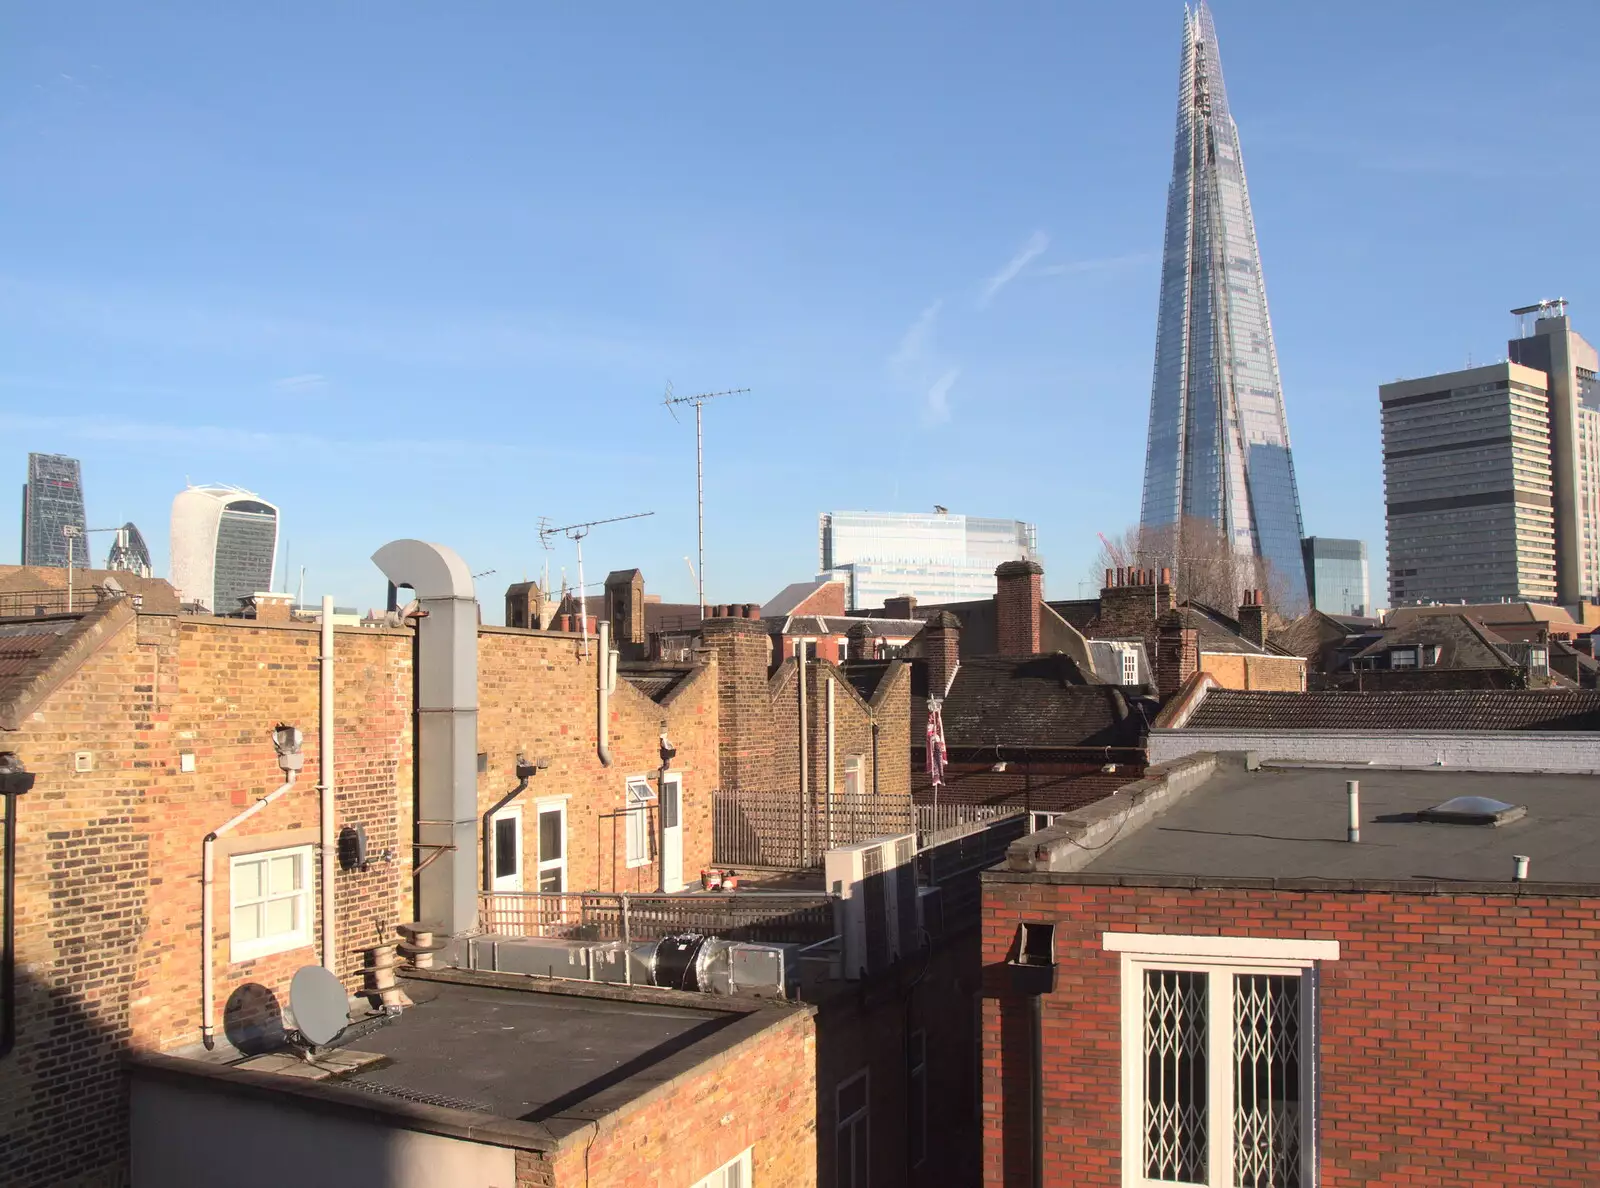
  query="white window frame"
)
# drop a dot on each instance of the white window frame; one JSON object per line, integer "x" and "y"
{"x": 855, "y": 770}
{"x": 514, "y": 881}
{"x": 736, "y": 1173}
{"x": 1038, "y": 819}
{"x": 638, "y": 795}
{"x": 300, "y": 937}
{"x": 1220, "y": 958}
{"x": 840, "y": 1124}
{"x": 540, "y": 808}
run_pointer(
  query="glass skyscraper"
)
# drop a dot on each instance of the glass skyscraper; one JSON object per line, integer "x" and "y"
{"x": 1337, "y": 575}
{"x": 52, "y": 499}
{"x": 224, "y": 546}
{"x": 1218, "y": 448}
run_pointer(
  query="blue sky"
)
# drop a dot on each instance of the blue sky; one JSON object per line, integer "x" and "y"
{"x": 424, "y": 270}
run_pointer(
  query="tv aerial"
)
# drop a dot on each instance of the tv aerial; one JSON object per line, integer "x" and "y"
{"x": 668, "y": 401}
{"x": 576, "y": 533}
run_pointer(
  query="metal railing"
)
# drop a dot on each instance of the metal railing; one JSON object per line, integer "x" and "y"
{"x": 773, "y": 829}
{"x": 32, "y": 604}
{"x": 938, "y": 823}
{"x": 762, "y": 916}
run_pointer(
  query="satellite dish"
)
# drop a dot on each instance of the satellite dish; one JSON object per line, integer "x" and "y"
{"x": 320, "y": 1005}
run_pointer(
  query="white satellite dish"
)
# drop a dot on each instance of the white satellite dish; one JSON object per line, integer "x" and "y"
{"x": 320, "y": 1005}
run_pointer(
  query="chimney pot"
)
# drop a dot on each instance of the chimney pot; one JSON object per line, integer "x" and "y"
{"x": 1108, "y": 579}
{"x": 1119, "y": 575}
{"x": 1166, "y": 576}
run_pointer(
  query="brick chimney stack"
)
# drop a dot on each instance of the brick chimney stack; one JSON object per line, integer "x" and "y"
{"x": 272, "y": 608}
{"x": 901, "y": 606}
{"x": 1253, "y": 617}
{"x": 1177, "y": 655}
{"x": 625, "y": 605}
{"x": 744, "y": 713}
{"x": 941, "y": 648}
{"x": 1133, "y": 601}
{"x": 1020, "y": 590}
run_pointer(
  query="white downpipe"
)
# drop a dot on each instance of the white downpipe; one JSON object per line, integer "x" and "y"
{"x": 207, "y": 884}
{"x": 602, "y": 670}
{"x": 1352, "y": 791}
{"x": 805, "y": 773}
{"x": 829, "y": 812}
{"x": 325, "y": 786}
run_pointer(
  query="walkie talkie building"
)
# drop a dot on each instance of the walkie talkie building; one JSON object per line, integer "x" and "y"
{"x": 224, "y": 546}
{"x": 1218, "y": 448}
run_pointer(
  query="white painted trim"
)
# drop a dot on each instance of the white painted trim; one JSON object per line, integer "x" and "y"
{"x": 1248, "y": 948}
{"x": 283, "y": 942}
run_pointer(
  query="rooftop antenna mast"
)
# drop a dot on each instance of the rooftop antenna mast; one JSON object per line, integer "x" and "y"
{"x": 699, "y": 474}
{"x": 576, "y": 533}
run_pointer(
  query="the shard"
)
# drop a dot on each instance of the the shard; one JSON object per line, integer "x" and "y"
{"x": 1218, "y": 448}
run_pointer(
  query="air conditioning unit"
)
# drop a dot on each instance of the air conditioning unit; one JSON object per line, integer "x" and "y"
{"x": 876, "y": 885}
{"x": 765, "y": 971}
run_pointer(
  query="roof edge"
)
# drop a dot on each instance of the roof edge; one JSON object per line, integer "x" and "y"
{"x": 64, "y": 657}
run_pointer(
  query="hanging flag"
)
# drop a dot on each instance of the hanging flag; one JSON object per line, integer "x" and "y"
{"x": 938, "y": 757}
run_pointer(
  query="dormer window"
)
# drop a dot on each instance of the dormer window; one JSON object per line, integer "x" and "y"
{"x": 1402, "y": 657}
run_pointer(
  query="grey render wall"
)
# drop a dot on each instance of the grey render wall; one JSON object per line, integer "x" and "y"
{"x": 1509, "y": 750}
{"x": 201, "y": 1137}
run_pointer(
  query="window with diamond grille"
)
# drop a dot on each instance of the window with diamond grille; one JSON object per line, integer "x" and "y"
{"x": 1175, "y": 1083}
{"x": 1221, "y": 1078}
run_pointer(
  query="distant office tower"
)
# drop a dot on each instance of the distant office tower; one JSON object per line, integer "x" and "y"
{"x": 224, "y": 546}
{"x": 1336, "y": 575}
{"x": 935, "y": 558}
{"x": 52, "y": 499}
{"x": 1492, "y": 475}
{"x": 1569, "y": 365}
{"x": 1218, "y": 447}
{"x": 129, "y": 553}
{"x": 1467, "y": 480}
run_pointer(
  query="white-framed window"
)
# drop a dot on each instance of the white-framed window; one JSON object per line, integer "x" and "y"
{"x": 1218, "y": 1059}
{"x": 1402, "y": 657}
{"x": 852, "y": 1131}
{"x": 505, "y": 839}
{"x": 552, "y": 845}
{"x": 1130, "y": 665}
{"x": 271, "y": 899}
{"x": 917, "y": 1095}
{"x": 853, "y": 767}
{"x": 640, "y": 796}
{"x": 1038, "y": 821}
{"x": 733, "y": 1174}
{"x": 1430, "y": 654}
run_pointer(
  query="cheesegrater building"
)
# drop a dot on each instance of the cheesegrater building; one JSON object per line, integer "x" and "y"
{"x": 1218, "y": 446}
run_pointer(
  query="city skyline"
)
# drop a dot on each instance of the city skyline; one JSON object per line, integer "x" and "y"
{"x": 321, "y": 290}
{"x": 1218, "y": 447}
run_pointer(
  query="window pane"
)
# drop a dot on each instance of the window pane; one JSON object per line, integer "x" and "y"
{"x": 506, "y": 859}
{"x": 852, "y": 1098}
{"x": 281, "y": 916}
{"x": 859, "y": 1129}
{"x": 285, "y": 874}
{"x": 638, "y": 835}
{"x": 550, "y": 880}
{"x": 845, "y": 1157}
{"x": 1266, "y": 1088}
{"x": 733, "y": 1175}
{"x": 247, "y": 881}
{"x": 1175, "y": 1121}
{"x": 669, "y": 804}
{"x": 247, "y": 923}
{"x": 550, "y": 835}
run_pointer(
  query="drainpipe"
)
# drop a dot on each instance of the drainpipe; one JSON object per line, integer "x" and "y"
{"x": 874, "y": 756}
{"x": 286, "y": 741}
{"x": 805, "y": 774}
{"x": 1033, "y": 975}
{"x": 603, "y": 669}
{"x": 325, "y": 785}
{"x": 525, "y": 772}
{"x": 14, "y": 781}
{"x": 829, "y": 785}
{"x": 446, "y": 729}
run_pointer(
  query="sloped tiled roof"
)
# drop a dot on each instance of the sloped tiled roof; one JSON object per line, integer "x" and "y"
{"x": 1219, "y": 633}
{"x": 790, "y": 597}
{"x": 23, "y": 644}
{"x": 1032, "y": 701}
{"x": 656, "y": 683}
{"x": 1461, "y": 642}
{"x": 1502, "y": 709}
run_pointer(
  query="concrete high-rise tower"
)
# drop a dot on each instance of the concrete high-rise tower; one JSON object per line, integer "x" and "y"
{"x": 224, "y": 546}
{"x": 1218, "y": 448}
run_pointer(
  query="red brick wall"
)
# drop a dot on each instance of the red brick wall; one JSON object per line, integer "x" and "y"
{"x": 760, "y": 1094}
{"x": 1457, "y": 1031}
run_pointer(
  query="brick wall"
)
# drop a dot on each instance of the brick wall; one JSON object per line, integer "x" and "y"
{"x": 108, "y": 890}
{"x": 1131, "y": 602}
{"x": 537, "y": 696}
{"x": 760, "y": 1094}
{"x": 1238, "y": 670}
{"x": 1456, "y": 1034}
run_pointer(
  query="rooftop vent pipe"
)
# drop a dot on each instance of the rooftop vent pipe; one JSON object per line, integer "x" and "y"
{"x": 447, "y": 727}
{"x": 1519, "y": 868}
{"x": 1352, "y": 790}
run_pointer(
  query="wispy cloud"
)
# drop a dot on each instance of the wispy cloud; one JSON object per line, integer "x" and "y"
{"x": 309, "y": 382}
{"x": 1103, "y": 264}
{"x": 915, "y": 344}
{"x": 936, "y": 406}
{"x": 1036, "y": 246}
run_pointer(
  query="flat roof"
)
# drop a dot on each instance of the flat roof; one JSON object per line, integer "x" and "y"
{"x": 1288, "y": 822}
{"x": 549, "y": 1059}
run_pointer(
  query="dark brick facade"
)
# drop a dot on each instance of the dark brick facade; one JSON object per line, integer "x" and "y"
{"x": 1018, "y": 594}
